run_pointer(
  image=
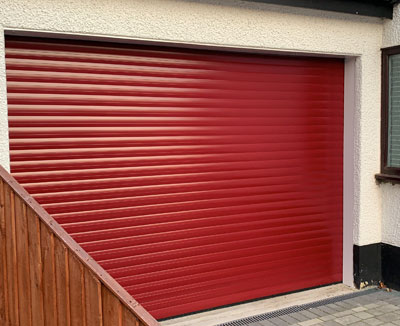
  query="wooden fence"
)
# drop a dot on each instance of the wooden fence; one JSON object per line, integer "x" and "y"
{"x": 46, "y": 278}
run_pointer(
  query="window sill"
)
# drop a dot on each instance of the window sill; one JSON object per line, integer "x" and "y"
{"x": 387, "y": 178}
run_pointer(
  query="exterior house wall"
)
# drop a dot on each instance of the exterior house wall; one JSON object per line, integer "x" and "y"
{"x": 239, "y": 24}
{"x": 391, "y": 193}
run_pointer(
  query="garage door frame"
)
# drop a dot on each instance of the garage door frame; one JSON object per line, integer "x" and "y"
{"x": 351, "y": 120}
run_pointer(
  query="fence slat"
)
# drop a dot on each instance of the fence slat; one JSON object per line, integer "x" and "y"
{"x": 112, "y": 312}
{"x": 76, "y": 291}
{"x": 11, "y": 256}
{"x": 35, "y": 267}
{"x": 94, "y": 314}
{"x": 128, "y": 319}
{"x": 49, "y": 280}
{"x": 24, "y": 296}
{"x": 62, "y": 281}
{"x": 3, "y": 262}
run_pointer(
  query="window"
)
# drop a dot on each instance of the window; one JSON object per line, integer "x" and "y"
{"x": 390, "y": 128}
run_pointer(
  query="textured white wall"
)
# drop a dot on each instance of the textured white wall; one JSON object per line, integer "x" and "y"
{"x": 391, "y": 193}
{"x": 231, "y": 23}
{"x": 391, "y": 29}
{"x": 391, "y": 214}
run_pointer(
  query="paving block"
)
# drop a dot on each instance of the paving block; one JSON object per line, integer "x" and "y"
{"x": 335, "y": 307}
{"x": 358, "y": 309}
{"x": 363, "y": 315}
{"x": 388, "y": 308}
{"x": 376, "y": 312}
{"x": 266, "y": 323}
{"x": 363, "y": 300}
{"x": 308, "y": 314}
{"x": 298, "y": 316}
{"x": 289, "y": 319}
{"x": 326, "y": 310}
{"x": 278, "y": 321}
{"x": 345, "y": 306}
{"x": 321, "y": 311}
{"x": 350, "y": 302}
{"x": 328, "y": 317}
{"x": 394, "y": 301}
{"x": 331, "y": 323}
{"x": 343, "y": 313}
{"x": 373, "y": 321}
{"x": 389, "y": 317}
{"x": 311, "y": 322}
{"x": 347, "y": 320}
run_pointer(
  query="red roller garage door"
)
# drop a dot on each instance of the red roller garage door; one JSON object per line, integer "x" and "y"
{"x": 196, "y": 178}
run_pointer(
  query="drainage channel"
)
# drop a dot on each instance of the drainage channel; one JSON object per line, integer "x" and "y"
{"x": 297, "y": 308}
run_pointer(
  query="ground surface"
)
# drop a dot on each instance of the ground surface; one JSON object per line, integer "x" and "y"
{"x": 377, "y": 308}
{"x": 244, "y": 310}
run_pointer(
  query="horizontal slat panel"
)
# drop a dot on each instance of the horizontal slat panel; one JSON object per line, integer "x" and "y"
{"x": 196, "y": 178}
{"x": 201, "y": 302}
{"x": 164, "y": 198}
{"x": 59, "y": 186}
{"x": 126, "y": 243}
{"x": 61, "y": 154}
{"x": 226, "y": 282}
{"x": 214, "y": 92}
{"x": 174, "y": 69}
{"x": 148, "y": 58}
{"x": 54, "y": 165}
{"x": 276, "y": 245}
{"x": 88, "y": 174}
{"x": 168, "y": 131}
{"x": 193, "y": 234}
{"x": 319, "y": 109}
{"x": 210, "y": 241}
{"x": 48, "y": 122}
{"x": 236, "y": 292}
{"x": 196, "y": 270}
{"x": 135, "y": 283}
{"x": 176, "y": 255}
{"x": 273, "y": 201}
{"x": 191, "y": 230}
{"x": 214, "y": 260}
{"x": 183, "y": 83}
{"x": 162, "y": 53}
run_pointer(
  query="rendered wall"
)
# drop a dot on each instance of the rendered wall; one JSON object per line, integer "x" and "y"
{"x": 391, "y": 193}
{"x": 238, "y": 24}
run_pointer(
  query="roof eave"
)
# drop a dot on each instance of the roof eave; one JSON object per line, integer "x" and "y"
{"x": 372, "y": 8}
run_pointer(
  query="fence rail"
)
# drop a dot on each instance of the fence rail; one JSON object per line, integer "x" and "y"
{"x": 47, "y": 279}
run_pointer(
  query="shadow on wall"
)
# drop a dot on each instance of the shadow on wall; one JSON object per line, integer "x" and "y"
{"x": 259, "y": 5}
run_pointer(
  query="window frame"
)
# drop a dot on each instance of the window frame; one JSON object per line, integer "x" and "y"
{"x": 388, "y": 174}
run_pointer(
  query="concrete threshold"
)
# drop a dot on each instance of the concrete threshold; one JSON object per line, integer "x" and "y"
{"x": 223, "y": 315}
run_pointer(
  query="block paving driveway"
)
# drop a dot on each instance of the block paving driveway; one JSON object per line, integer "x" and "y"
{"x": 377, "y": 308}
